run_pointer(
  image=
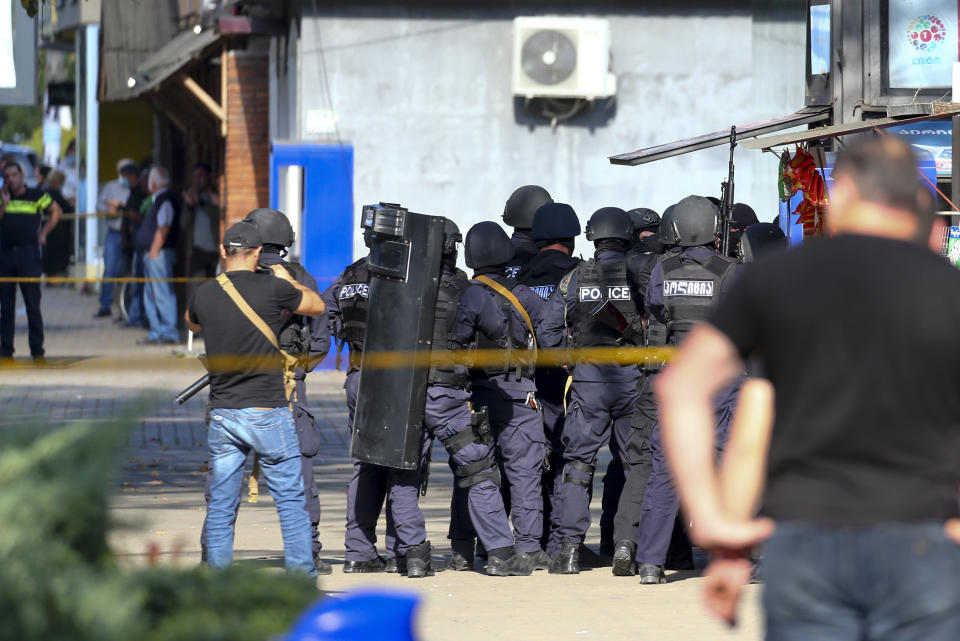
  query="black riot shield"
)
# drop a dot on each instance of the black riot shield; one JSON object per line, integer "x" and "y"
{"x": 405, "y": 257}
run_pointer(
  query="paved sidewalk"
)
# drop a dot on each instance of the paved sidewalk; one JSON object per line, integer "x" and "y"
{"x": 159, "y": 496}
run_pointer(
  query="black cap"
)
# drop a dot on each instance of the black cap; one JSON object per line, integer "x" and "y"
{"x": 743, "y": 216}
{"x": 242, "y": 235}
{"x": 555, "y": 221}
{"x": 644, "y": 219}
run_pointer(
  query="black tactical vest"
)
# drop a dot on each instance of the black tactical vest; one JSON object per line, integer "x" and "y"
{"x": 691, "y": 287}
{"x": 445, "y": 331}
{"x": 352, "y": 298}
{"x": 518, "y": 358}
{"x": 544, "y": 271}
{"x": 600, "y": 284}
{"x": 294, "y": 336}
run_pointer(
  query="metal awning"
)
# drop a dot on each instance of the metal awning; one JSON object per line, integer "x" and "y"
{"x": 803, "y": 117}
{"x": 169, "y": 59}
{"x": 821, "y": 133}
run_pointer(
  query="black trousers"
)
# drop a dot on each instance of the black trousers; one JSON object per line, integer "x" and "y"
{"x": 20, "y": 261}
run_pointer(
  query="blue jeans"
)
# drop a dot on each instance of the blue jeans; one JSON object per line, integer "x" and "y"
{"x": 895, "y": 582}
{"x": 159, "y": 301}
{"x": 113, "y": 264}
{"x": 135, "y": 311}
{"x": 272, "y": 435}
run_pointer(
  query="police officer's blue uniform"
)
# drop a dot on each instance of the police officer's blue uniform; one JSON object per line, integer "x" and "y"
{"x": 509, "y": 394}
{"x": 602, "y": 396}
{"x": 346, "y": 299}
{"x": 683, "y": 287}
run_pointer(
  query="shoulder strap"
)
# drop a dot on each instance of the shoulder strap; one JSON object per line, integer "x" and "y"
{"x": 506, "y": 293}
{"x": 251, "y": 315}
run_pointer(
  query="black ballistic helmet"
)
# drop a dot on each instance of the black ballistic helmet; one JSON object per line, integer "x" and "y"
{"x": 760, "y": 240}
{"x": 523, "y": 204}
{"x": 554, "y": 221}
{"x": 451, "y": 237}
{"x": 691, "y": 222}
{"x": 487, "y": 245}
{"x": 275, "y": 229}
{"x": 609, "y": 222}
{"x": 644, "y": 219}
{"x": 743, "y": 216}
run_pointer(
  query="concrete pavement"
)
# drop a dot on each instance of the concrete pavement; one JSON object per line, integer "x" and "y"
{"x": 97, "y": 371}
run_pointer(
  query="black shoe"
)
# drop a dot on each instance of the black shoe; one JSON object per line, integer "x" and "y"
{"x": 568, "y": 560}
{"x": 538, "y": 560}
{"x": 589, "y": 558}
{"x": 460, "y": 563}
{"x": 419, "y": 561}
{"x": 514, "y": 565}
{"x": 392, "y": 567}
{"x": 376, "y": 564}
{"x": 651, "y": 574}
{"x": 39, "y": 359}
{"x": 623, "y": 559}
{"x": 102, "y": 313}
{"x": 322, "y": 566}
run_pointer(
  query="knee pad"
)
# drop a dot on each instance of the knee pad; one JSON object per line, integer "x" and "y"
{"x": 456, "y": 442}
{"x": 586, "y": 468}
{"x": 473, "y": 473}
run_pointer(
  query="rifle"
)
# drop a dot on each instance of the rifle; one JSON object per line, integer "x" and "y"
{"x": 195, "y": 386}
{"x": 726, "y": 199}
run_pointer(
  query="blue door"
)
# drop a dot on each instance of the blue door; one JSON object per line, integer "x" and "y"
{"x": 326, "y": 220}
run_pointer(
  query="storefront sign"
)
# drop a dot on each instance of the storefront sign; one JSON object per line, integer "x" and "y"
{"x": 921, "y": 43}
{"x": 934, "y": 136}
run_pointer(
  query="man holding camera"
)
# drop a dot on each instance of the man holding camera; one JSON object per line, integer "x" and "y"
{"x": 241, "y": 313}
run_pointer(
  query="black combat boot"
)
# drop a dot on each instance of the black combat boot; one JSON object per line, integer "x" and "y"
{"x": 506, "y": 562}
{"x": 538, "y": 560}
{"x": 623, "y": 559}
{"x": 418, "y": 561}
{"x": 392, "y": 567}
{"x": 375, "y": 564}
{"x": 568, "y": 559}
{"x": 651, "y": 574}
{"x": 322, "y": 566}
{"x": 462, "y": 559}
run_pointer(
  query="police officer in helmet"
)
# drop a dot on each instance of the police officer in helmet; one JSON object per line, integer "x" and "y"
{"x": 555, "y": 228}
{"x": 683, "y": 288}
{"x": 595, "y": 305}
{"x": 518, "y": 213}
{"x": 759, "y": 241}
{"x": 347, "y": 299}
{"x": 463, "y": 311}
{"x": 304, "y": 337}
{"x": 502, "y": 386}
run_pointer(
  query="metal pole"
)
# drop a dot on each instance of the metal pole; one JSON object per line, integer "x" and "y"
{"x": 92, "y": 129}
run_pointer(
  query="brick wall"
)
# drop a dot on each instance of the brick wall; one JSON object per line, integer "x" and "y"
{"x": 247, "y": 145}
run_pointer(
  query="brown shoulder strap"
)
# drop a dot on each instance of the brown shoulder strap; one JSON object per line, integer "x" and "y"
{"x": 506, "y": 293}
{"x": 251, "y": 315}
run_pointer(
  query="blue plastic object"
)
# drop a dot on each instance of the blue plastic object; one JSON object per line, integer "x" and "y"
{"x": 363, "y": 615}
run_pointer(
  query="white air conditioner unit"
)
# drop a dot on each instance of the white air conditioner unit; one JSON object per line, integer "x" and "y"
{"x": 562, "y": 57}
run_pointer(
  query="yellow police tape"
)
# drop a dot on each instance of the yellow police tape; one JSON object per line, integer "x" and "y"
{"x": 647, "y": 356}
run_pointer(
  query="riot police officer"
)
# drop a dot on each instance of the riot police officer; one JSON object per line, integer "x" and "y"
{"x": 503, "y": 387}
{"x": 462, "y": 311}
{"x": 346, "y": 299}
{"x": 518, "y": 213}
{"x": 306, "y": 338}
{"x": 596, "y": 305}
{"x": 644, "y": 253}
{"x": 555, "y": 226}
{"x": 684, "y": 286}
{"x": 743, "y": 217}
{"x": 760, "y": 240}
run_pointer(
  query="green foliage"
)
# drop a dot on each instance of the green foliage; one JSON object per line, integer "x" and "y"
{"x": 59, "y": 580}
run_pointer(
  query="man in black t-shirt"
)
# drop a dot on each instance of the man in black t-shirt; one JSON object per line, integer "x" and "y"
{"x": 21, "y": 237}
{"x": 249, "y": 406}
{"x": 863, "y": 466}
